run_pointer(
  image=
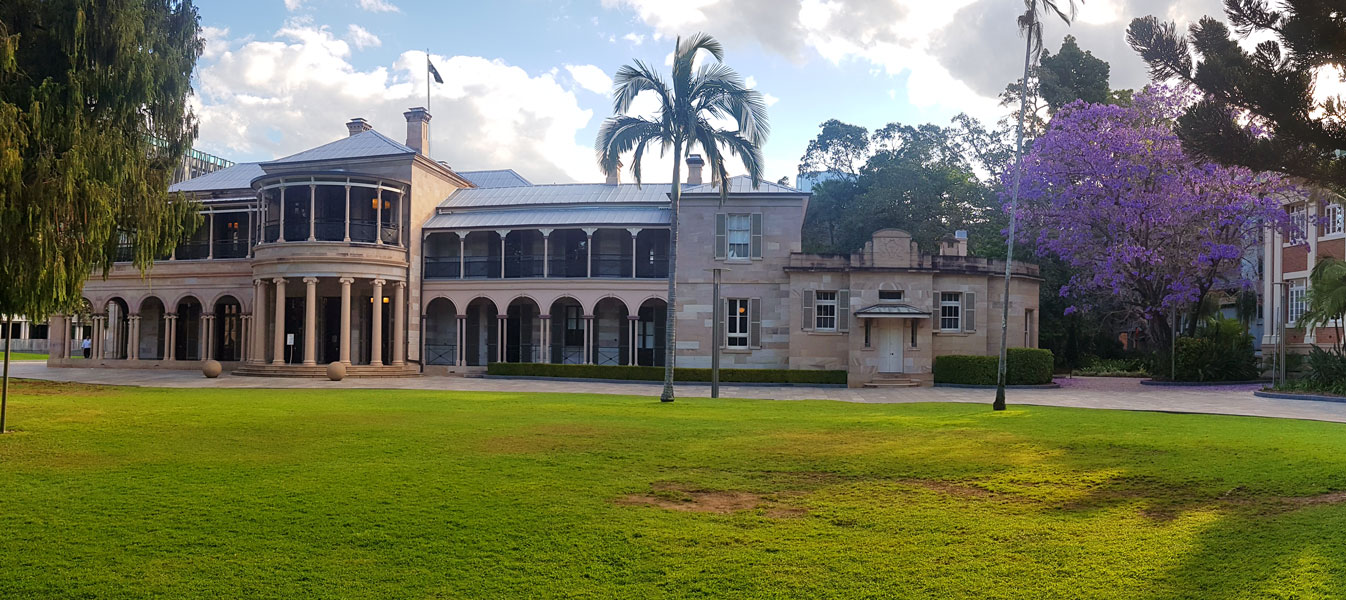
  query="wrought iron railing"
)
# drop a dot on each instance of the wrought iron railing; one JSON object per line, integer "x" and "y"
{"x": 329, "y": 230}
{"x": 481, "y": 267}
{"x": 441, "y": 354}
{"x": 442, "y": 268}
{"x": 523, "y": 266}
{"x": 363, "y": 230}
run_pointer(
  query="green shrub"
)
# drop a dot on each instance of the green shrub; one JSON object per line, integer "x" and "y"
{"x": 1222, "y": 351}
{"x": 1326, "y": 371}
{"x": 1026, "y": 366}
{"x": 632, "y": 373}
{"x": 1113, "y": 367}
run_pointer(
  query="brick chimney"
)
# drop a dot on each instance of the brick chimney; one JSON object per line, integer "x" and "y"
{"x": 358, "y": 125}
{"x": 694, "y": 164}
{"x": 615, "y": 177}
{"x": 418, "y": 129}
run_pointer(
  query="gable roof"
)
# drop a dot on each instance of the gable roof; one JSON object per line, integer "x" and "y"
{"x": 742, "y": 184}
{"x": 365, "y": 144}
{"x": 495, "y": 178}
{"x": 237, "y": 177}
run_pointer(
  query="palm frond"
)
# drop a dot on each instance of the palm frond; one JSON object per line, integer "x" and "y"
{"x": 619, "y": 134}
{"x": 746, "y": 151}
{"x": 630, "y": 80}
{"x": 720, "y": 91}
{"x": 684, "y": 57}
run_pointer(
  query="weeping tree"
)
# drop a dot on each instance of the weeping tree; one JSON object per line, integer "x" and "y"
{"x": 93, "y": 120}
{"x": 690, "y": 108}
{"x": 1030, "y": 26}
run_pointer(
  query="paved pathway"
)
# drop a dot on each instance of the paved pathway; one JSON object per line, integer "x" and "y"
{"x": 1109, "y": 393}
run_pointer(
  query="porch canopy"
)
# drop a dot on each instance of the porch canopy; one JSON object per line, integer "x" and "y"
{"x": 892, "y": 311}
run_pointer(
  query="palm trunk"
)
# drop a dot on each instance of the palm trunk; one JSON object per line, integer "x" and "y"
{"x": 999, "y": 403}
{"x": 670, "y": 318}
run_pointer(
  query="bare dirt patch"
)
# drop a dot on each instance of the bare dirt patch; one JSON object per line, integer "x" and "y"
{"x": 39, "y": 387}
{"x": 680, "y": 497}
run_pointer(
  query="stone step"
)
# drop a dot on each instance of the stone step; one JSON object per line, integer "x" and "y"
{"x": 320, "y": 371}
{"x": 886, "y": 382}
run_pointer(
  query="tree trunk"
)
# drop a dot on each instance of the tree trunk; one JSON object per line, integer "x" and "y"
{"x": 999, "y": 403}
{"x": 670, "y": 318}
{"x": 4, "y": 385}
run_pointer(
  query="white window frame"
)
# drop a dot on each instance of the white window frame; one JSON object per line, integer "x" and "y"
{"x": 951, "y": 311}
{"x": 738, "y": 250}
{"x": 1333, "y": 222}
{"x": 737, "y": 323}
{"x": 1299, "y": 217}
{"x": 1297, "y": 301}
{"x": 825, "y": 311}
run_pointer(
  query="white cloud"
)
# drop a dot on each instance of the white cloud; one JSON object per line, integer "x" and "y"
{"x": 362, "y": 38}
{"x": 769, "y": 99}
{"x": 216, "y": 41}
{"x": 293, "y": 5}
{"x": 591, "y": 78}
{"x": 264, "y": 99}
{"x": 377, "y": 6}
{"x": 635, "y": 38}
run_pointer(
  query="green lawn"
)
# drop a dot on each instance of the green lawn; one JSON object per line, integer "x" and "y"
{"x": 23, "y": 356}
{"x": 122, "y": 493}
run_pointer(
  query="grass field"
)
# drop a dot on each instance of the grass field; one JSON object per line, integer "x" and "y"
{"x": 23, "y": 356}
{"x": 139, "y": 493}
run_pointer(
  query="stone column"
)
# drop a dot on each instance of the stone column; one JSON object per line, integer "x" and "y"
{"x": 588, "y": 339}
{"x": 208, "y": 336}
{"x": 347, "y": 212}
{"x": 376, "y": 327}
{"x": 462, "y": 260}
{"x": 170, "y": 336}
{"x": 280, "y": 228}
{"x": 1311, "y": 219}
{"x": 346, "y": 319}
{"x": 460, "y": 340}
{"x": 500, "y": 335}
{"x": 210, "y": 236}
{"x": 1268, "y": 276}
{"x": 278, "y": 340}
{"x": 378, "y": 215}
{"x": 312, "y": 204}
{"x": 245, "y": 338}
{"x": 633, "y": 326}
{"x": 259, "y": 322}
{"x": 503, "y": 233}
{"x": 399, "y": 323}
{"x": 589, "y": 247}
{"x": 133, "y": 337}
{"x": 635, "y": 231}
{"x": 310, "y": 320}
{"x": 546, "y": 252}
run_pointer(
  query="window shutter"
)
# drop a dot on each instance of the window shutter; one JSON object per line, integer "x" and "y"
{"x": 934, "y": 312}
{"x": 721, "y": 237}
{"x": 808, "y": 310}
{"x": 843, "y": 310}
{"x": 755, "y": 322}
{"x": 969, "y": 311}
{"x": 756, "y": 247}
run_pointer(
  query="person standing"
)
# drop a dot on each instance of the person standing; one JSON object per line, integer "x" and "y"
{"x": 86, "y": 345}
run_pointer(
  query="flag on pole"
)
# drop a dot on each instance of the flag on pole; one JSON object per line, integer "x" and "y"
{"x": 433, "y": 71}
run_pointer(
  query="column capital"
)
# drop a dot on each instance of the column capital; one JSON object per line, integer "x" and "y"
{"x": 589, "y": 317}
{"x": 632, "y": 317}
{"x": 546, "y": 231}
{"x": 400, "y": 284}
{"x": 635, "y": 230}
{"x": 260, "y": 281}
{"x": 170, "y": 315}
{"x": 278, "y": 281}
{"x": 589, "y": 231}
{"x": 501, "y": 317}
{"x": 503, "y": 232}
{"x": 544, "y": 316}
{"x": 311, "y": 280}
{"x": 379, "y": 282}
{"x": 346, "y": 280}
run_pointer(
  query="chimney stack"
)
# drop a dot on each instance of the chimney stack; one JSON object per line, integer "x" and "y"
{"x": 418, "y": 129}
{"x": 694, "y": 164}
{"x": 358, "y": 125}
{"x": 615, "y": 177}
{"x": 956, "y": 245}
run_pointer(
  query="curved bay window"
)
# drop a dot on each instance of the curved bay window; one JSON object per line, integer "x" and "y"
{"x": 333, "y": 209}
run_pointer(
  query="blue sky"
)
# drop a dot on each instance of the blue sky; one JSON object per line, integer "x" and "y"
{"x": 526, "y": 89}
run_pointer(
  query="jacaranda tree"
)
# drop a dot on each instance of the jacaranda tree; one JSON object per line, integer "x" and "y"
{"x": 1110, "y": 191}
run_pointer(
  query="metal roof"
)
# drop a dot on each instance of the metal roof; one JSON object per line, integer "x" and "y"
{"x": 892, "y": 311}
{"x": 565, "y": 193}
{"x": 742, "y": 184}
{"x": 547, "y": 217}
{"x": 365, "y": 144}
{"x": 495, "y": 178}
{"x": 237, "y": 177}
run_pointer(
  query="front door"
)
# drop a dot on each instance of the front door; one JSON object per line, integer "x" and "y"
{"x": 890, "y": 345}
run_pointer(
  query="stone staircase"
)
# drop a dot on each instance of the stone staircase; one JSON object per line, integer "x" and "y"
{"x": 320, "y": 371}
{"x": 892, "y": 382}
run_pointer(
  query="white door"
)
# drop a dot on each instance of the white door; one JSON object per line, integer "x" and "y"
{"x": 890, "y": 345}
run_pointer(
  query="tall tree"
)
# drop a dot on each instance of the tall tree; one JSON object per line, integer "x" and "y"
{"x": 93, "y": 119}
{"x": 1030, "y": 26}
{"x": 839, "y": 148}
{"x": 1260, "y": 108}
{"x": 1072, "y": 74}
{"x": 696, "y": 97}
{"x": 1110, "y": 192}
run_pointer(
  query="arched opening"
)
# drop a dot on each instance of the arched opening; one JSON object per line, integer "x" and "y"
{"x": 522, "y": 332}
{"x": 228, "y": 329}
{"x": 153, "y": 326}
{"x": 523, "y": 253}
{"x": 441, "y": 256}
{"x": 481, "y": 255}
{"x": 567, "y": 331}
{"x": 651, "y": 332}
{"x": 612, "y": 333}
{"x": 116, "y": 329}
{"x": 188, "y": 340}
{"x": 482, "y": 333}
{"x": 441, "y": 332}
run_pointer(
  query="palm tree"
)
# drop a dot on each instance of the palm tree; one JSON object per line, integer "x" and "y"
{"x": 1326, "y": 298}
{"x": 687, "y": 108}
{"x": 1031, "y": 28}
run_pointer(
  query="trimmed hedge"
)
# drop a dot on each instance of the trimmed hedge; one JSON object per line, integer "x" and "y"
{"x": 657, "y": 373}
{"x": 1027, "y": 366}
